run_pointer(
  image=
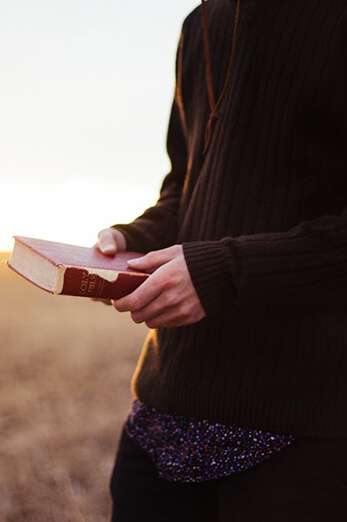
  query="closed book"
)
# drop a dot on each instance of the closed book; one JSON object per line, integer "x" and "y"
{"x": 65, "y": 269}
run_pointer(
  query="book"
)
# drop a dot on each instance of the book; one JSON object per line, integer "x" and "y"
{"x": 64, "y": 269}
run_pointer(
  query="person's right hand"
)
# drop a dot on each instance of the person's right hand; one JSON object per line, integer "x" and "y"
{"x": 110, "y": 241}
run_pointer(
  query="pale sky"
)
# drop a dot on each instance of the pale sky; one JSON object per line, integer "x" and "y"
{"x": 85, "y": 93}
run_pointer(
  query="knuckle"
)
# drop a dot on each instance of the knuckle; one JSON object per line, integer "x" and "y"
{"x": 134, "y": 303}
{"x": 160, "y": 279}
{"x": 185, "y": 310}
{"x": 136, "y": 317}
{"x": 129, "y": 304}
{"x": 169, "y": 299}
{"x": 170, "y": 280}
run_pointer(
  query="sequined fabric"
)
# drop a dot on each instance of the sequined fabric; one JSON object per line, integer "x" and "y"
{"x": 190, "y": 450}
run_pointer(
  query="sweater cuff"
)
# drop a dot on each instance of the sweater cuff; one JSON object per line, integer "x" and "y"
{"x": 211, "y": 266}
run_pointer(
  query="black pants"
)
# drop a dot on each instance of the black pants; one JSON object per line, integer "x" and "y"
{"x": 306, "y": 482}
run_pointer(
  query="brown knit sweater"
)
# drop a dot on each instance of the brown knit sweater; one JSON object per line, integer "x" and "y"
{"x": 262, "y": 217}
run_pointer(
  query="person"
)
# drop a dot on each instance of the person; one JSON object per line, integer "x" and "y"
{"x": 240, "y": 390}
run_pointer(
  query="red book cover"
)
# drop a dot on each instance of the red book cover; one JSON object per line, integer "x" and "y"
{"x": 61, "y": 268}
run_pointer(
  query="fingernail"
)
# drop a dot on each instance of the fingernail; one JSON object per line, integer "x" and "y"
{"x": 136, "y": 260}
{"x": 108, "y": 247}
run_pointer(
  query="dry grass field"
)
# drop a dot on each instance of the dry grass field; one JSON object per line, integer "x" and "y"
{"x": 64, "y": 392}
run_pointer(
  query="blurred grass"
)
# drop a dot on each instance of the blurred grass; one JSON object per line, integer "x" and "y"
{"x": 64, "y": 393}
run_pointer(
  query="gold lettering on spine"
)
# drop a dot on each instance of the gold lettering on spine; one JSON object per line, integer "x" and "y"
{"x": 88, "y": 284}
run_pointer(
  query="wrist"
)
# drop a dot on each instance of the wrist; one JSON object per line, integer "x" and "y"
{"x": 208, "y": 263}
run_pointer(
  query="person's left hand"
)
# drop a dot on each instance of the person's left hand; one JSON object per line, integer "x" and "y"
{"x": 167, "y": 297}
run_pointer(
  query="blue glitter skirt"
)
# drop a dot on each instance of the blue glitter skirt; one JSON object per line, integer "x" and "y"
{"x": 190, "y": 450}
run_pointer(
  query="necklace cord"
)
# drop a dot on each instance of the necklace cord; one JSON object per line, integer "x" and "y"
{"x": 213, "y": 103}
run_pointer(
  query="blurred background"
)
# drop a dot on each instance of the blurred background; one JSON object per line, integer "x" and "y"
{"x": 85, "y": 94}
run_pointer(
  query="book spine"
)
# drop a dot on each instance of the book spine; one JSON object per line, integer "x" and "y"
{"x": 79, "y": 282}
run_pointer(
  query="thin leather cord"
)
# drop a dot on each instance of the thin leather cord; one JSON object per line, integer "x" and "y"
{"x": 215, "y": 104}
{"x": 179, "y": 96}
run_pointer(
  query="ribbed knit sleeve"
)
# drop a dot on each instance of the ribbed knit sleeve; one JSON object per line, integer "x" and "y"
{"x": 303, "y": 267}
{"x": 156, "y": 227}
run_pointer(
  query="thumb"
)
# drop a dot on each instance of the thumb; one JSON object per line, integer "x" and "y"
{"x": 151, "y": 261}
{"x": 106, "y": 242}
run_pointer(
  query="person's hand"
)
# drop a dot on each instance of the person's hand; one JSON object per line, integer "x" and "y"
{"x": 167, "y": 297}
{"x": 110, "y": 241}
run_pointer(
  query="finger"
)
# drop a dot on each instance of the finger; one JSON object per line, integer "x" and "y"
{"x": 151, "y": 261}
{"x": 144, "y": 294}
{"x": 106, "y": 242}
{"x": 167, "y": 319}
{"x": 164, "y": 301}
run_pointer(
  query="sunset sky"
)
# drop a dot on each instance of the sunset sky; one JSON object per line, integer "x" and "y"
{"x": 85, "y": 94}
